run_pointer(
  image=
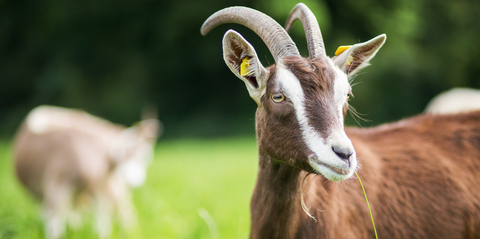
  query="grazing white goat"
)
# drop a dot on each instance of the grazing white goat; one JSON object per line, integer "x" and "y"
{"x": 70, "y": 160}
{"x": 456, "y": 100}
{"x": 421, "y": 174}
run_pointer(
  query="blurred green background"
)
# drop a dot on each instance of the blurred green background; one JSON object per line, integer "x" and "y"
{"x": 110, "y": 58}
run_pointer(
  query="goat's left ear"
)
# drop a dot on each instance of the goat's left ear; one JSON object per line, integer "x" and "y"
{"x": 357, "y": 56}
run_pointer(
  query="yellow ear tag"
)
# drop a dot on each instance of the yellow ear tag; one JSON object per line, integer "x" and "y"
{"x": 349, "y": 62}
{"x": 244, "y": 67}
{"x": 341, "y": 49}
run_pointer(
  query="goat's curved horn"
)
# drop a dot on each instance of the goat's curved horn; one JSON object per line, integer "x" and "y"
{"x": 275, "y": 37}
{"x": 311, "y": 28}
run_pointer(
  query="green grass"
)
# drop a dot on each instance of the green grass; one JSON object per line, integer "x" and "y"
{"x": 187, "y": 179}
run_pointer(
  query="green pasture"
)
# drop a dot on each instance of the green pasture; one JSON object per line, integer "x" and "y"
{"x": 195, "y": 189}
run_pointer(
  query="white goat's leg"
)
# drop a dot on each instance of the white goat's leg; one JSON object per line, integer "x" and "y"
{"x": 127, "y": 212}
{"x": 120, "y": 195}
{"x": 56, "y": 203}
{"x": 103, "y": 211}
{"x": 54, "y": 223}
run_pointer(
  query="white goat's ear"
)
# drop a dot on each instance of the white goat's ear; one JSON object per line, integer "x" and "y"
{"x": 149, "y": 129}
{"x": 357, "y": 56}
{"x": 242, "y": 60}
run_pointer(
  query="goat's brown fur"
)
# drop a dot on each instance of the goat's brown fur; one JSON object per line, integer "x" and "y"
{"x": 421, "y": 176}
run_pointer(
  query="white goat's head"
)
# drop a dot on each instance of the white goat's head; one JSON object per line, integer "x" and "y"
{"x": 132, "y": 151}
{"x": 302, "y": 102}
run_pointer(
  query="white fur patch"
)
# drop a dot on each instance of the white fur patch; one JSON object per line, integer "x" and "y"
{"x": 456, "y": 100}
{"x": 134, "y": 173}
{"x": 322, "y": 148}
{"x": 341, "y": 89}
{"x": 40, "y": 120}
{"x": 133, "y": 155}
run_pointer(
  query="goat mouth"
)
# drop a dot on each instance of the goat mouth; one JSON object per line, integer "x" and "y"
{"x": 339, "y": 171}
{"x": 334, "y": 169}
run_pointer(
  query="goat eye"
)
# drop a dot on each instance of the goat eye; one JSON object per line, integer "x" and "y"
{"x": 349, "y": 95}
{"x": 278, "y": 98}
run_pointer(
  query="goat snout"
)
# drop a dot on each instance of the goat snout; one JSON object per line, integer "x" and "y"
{"x": 343, "y": 153}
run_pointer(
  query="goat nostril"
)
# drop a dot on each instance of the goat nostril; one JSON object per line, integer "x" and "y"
{"x": 343, "y": 153}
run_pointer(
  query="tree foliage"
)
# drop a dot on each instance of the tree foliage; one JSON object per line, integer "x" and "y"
{"x": 113, "y": 57}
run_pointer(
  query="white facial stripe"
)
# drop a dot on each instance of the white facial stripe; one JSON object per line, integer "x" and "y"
{"x": 321, "y": 147}
{"x": 341, "y": 89}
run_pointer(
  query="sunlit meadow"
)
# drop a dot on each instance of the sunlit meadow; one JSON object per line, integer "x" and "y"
{"x": 195, "y": 189}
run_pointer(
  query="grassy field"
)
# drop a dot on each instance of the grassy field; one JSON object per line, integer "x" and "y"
{"x": 195, "y": 189}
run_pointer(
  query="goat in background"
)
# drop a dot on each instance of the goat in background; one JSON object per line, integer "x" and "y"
{"x": 421, "y": 174}
{"x": 70, "y": 160}
{"x": 456, "y": 100}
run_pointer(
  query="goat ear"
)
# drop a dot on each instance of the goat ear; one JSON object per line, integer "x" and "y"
{"x": 149, "y": 129}
{"x": 242, "y": 60}
{"x": 357, "y": 56}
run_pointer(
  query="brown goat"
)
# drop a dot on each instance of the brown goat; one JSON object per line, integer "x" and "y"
{"x": 420, "y": 174}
